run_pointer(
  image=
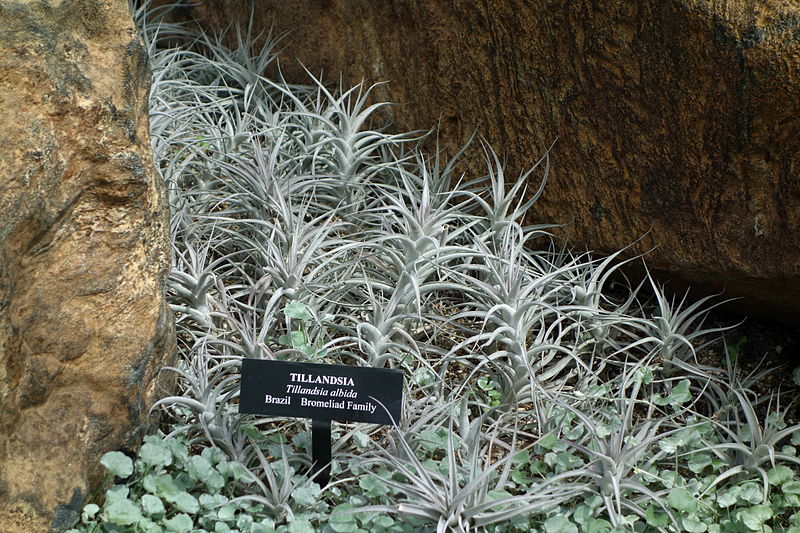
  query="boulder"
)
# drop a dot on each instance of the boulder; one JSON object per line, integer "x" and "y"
{"x": 84, "y": 254}
{"x": 676, "y": 120}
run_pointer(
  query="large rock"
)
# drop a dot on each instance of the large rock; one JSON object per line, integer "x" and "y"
{"x": 677, "y": 120}
{"x": 84, "y": 327}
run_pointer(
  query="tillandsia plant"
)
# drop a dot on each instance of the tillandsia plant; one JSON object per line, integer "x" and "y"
{"x": 621, "y": 447}
{"x": 522, "y": 327}
{"x": 464, "y": 491}
{"x": 540, "y": 394}
{"x": 746, "y": 445}
{"x": 675, "y": 329}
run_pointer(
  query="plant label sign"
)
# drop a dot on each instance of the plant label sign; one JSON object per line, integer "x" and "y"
{"x": 321, "y": 392}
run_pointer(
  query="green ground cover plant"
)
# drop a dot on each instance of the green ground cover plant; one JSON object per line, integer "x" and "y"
{"x": 540, "y": 395}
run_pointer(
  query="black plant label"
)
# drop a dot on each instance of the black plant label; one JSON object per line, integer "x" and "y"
{"x": 321, "y": 392}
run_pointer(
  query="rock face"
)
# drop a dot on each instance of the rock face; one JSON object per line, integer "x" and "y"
{"x": 84, "y": 254}
{"x": 677, "y": 120}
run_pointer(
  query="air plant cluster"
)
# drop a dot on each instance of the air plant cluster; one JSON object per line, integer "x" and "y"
{"x": 541, "y": 393}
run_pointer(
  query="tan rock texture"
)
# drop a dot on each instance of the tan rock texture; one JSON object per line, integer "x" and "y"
{"x": 84, "y": 253}
{"x": 676, "y": 120}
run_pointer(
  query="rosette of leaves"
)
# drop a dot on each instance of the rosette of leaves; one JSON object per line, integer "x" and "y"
{"x": 332, "y": 140}
{"x": 621, "y": 447}
{"x": 523, "y": 332}
{"x": 205, "y": 406}
{"x": 502, "y": 205}
{"x": 464, "y": 489}
{"x": 674, "y": 332}
{"x": 747, "y": 447}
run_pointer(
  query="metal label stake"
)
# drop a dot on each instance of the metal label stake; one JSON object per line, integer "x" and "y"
{"x": 321, "y": 450}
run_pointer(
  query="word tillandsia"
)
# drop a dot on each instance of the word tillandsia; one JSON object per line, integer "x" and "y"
{"x": 326, "y": 380}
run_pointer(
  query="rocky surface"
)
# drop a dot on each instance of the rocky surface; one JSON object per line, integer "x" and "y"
{"x": 84, "y": 254}
{"x": 677, "y": 120}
